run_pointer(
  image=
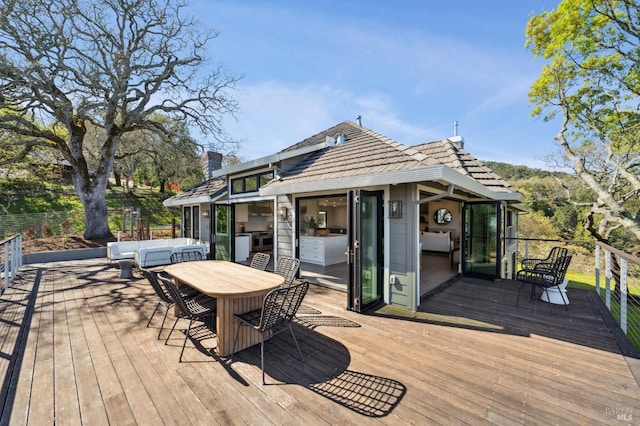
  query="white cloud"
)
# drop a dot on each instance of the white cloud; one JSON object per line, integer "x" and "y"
{"x": 274, "y": 115}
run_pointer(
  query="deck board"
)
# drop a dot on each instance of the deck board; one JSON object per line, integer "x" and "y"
{"x": 469, "y": 355}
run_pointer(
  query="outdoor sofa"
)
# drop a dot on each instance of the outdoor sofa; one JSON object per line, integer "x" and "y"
{"x": 126, "y": 250}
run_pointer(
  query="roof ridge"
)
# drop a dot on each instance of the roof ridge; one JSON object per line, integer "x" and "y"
{"x": 401, "y": 148}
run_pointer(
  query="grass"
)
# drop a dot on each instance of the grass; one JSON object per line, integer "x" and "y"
{"x": 588, "y": 282}
{"x": 33, "y": 196}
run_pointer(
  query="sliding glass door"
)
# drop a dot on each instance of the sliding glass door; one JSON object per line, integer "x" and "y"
{"x": 481, "y": 248}
{"x": 222, "y": 231}
{"x": 366, "y": 257}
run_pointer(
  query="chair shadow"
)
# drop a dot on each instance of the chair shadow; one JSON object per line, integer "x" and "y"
{"x": 313, "y": 321}
{"x": 369, "y": 395}
{"x": 325, "y": 369}
{"x": 307, "y": 310}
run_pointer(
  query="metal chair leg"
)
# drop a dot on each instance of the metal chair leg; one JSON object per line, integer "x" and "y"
{"x": 235, "y": 340}
{"x": 154, "y": 312}
{"x": 296, "y": 342}
{"x": 172, "y": 328}
{"x": 549, "y": 299}
{"x": 262, "y": 356}
{"x": 163, "y": 320}
{"x": 184, "y": 343}
{"x": 518, "y": 298}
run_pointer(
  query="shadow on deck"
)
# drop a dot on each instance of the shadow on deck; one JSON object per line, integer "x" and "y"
{"x": 75, "y": 349}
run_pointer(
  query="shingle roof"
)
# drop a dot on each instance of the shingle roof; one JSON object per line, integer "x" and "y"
{"x": 363, "y": 152}
{"x": 211, "y": 188}
{"x": 452, "y": 155}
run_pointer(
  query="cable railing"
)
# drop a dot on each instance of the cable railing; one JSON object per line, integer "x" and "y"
{"x": 615, "y": 278}
{"x": 10, "y": 260}
{"x": 621, "y": 291}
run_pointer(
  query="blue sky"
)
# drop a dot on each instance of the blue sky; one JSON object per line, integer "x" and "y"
{"x": 409, "y": 68}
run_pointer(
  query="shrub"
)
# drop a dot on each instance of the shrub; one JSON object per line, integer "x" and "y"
{"x": 30, "y": 232}
{"x": 46, "y": 229}
{"x": 65, "y": 227}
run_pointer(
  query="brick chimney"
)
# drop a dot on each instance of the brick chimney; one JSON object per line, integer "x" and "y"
{"x": 211, "y": 161}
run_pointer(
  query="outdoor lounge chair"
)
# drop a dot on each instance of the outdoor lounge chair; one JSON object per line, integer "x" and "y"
{"x": 186, "y": 256}
{"x": 165, "y": 297}
{"x": 195, "y": 308}
{"x": 545, "y": 276}
{"x": 554, "y": 254}
{"x": 288, "y": 268}
{"x": 278, "y": 309}
{"x": 260, "y": 261}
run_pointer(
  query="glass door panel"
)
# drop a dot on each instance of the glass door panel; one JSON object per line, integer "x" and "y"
{"x": 481, "y": 247}
{"x": 223, "y": 233}
{"x": 365, "y": 249}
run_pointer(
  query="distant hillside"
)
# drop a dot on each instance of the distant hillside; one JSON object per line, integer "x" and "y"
{"x": 510, "y": 172}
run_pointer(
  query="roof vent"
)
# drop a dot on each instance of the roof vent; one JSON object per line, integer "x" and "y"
{"x": 329, "y": 140}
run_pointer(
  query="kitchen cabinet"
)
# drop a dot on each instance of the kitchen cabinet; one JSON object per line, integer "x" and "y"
{"x": 243, "y": 244}
{"x": 242, "y": 213}
{"x": 324, "y": 251}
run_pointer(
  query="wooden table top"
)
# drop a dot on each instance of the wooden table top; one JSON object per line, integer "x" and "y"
{"x": 220, "y": 278}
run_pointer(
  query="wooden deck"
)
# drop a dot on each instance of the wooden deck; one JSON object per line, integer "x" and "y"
{"x": 75, "y": 350}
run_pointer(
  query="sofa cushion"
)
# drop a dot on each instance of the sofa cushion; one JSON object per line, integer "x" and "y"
{"x": 436, "y": 241}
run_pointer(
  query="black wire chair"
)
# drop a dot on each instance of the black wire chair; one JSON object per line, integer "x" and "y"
{"x": 554, "y": 254}
{"x": 278, "y": 309}
{"x": 196, "y": 308}
{"x": 165, "y": 298}
{"x": 186, "y": 256}
{"x": 288, "y": 268}
{"x": 260, "y": 261}
{"x": 545, "y": 276}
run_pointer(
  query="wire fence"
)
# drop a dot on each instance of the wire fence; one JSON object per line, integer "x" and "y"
{"x": 54, "y": 224}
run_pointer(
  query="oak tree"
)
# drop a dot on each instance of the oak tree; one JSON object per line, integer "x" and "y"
{"x": 66, "y": 65}
{"x": 591, "y": 80}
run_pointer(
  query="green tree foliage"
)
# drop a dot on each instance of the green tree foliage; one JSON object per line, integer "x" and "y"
{"x": 592, "y": 80}
{"x": 69, "y": 65}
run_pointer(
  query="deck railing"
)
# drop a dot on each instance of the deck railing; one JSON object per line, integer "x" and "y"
{"x": 10, "y": 260}
{"x": 621, "y": 296}
{"x": 620, "y": 271}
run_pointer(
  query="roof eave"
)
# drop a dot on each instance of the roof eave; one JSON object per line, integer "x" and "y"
{"x": 203, "y": 199}
{"x": 430, "y": 173}
{"x": 264, "y": 161}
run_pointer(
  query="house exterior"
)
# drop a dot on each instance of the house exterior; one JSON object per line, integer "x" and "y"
{"x": 356, "y": 201}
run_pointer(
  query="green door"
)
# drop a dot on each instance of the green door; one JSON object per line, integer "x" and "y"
{"x": 222, "y": 233}
{"x": 481, "y": 234}
{"x": 366, "y": 257}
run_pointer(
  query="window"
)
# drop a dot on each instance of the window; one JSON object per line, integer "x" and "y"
{"x": 237, "y": 186}
{"x": 191, "y": 222}
{"x": 251, "y": 183}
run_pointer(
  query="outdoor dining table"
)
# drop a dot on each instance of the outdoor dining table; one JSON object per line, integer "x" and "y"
{"x": 237, "y": 287}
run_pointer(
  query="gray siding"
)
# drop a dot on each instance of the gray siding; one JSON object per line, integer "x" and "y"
{"x": 285, "y": 227}
{"x": 402, "y": 249}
